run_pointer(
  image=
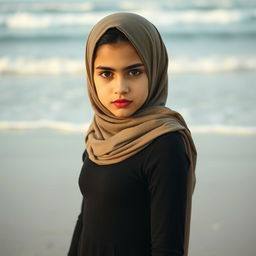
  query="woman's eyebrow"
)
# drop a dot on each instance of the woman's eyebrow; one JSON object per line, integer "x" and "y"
{"x": 126, "y": 68}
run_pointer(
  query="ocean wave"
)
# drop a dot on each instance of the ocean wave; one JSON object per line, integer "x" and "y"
{"x": 29, "y": 20}
{"x": 43, "y": 124}
{"x": 46, "y": 6}
{"x": 81, "y": 34}
{"x": 212, "y": 64}
{"x": 80, "y": 6}
{"x": 224, "y": 129}
{"x": 82, "y": 128}
{"x": 48, "y": 66}
{"x": 60, "y": 66}
{"x": 25, "y": 20}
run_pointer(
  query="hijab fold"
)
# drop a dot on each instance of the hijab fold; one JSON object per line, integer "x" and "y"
{"x": 110, "y": 139}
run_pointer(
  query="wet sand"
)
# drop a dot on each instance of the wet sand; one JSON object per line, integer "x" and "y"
{"x": 40, "y": 198}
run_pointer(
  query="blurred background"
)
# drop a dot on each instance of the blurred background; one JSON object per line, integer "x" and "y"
{"x": 44, "y": 114}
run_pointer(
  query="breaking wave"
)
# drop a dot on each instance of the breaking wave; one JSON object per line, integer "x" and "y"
{"x": 69, "y": 66}
{"x": 82, "y": 128}
{"x": 32, "y": 20}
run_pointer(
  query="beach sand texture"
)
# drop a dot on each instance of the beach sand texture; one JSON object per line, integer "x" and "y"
{"x": 40, "y": 198}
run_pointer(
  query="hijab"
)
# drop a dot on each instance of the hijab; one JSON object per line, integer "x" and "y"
{"x": 111, "y": 139}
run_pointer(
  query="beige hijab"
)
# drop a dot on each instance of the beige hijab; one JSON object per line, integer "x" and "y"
{"x": 110, "y": 139}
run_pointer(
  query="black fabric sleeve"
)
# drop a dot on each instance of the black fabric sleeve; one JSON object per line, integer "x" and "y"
{"x": 166, "y": 169}
{"x": 73, "y": 249}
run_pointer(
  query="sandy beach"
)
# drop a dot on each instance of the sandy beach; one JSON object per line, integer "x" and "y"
{"x": 40, "y": 198}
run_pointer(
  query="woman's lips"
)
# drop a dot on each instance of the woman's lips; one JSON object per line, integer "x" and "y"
{"x": 122, "y": 103}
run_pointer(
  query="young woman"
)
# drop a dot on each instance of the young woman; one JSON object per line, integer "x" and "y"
{"x": 138, "y": 176}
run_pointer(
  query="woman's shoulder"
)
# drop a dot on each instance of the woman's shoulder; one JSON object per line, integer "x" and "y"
{"x": 166, "y": 149}
{"x": 168, "y": 141}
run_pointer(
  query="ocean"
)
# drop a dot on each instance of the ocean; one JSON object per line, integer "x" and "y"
{"x": 211, "y": 47}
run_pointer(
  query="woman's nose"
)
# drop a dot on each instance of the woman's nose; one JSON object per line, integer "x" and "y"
{"x": 121, "y": 86}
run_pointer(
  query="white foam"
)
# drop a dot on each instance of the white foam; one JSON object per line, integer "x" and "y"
{"x": 82, "y": 128}
{"x": 43, "y": 124}
{"x": 224, "y": 129}
{"x": 64, "y": 6}
{"x": 177, "y": 4}
{"x": 47, "y": 6}
{"x": 48, "y": 66}
{"x": 212, "y": 64}
{"x": 29, "y": 20}
{"x": 218, "y": 17}
{"x": 26, "y": 20}
{"x": 59, "y": 66}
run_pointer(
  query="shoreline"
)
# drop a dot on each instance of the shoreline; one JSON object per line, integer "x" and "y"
{"x": 79, "y": 128}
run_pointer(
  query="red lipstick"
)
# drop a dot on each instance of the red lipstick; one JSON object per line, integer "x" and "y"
{"x": 122, "y": 103}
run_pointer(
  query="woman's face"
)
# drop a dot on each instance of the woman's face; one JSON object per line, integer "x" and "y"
{"x": 120, "y": 78}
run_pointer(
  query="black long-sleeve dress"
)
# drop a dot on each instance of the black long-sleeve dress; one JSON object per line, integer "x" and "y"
{"x": 136, "y": 207}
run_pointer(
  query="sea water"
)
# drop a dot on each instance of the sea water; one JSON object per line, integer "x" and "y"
{"x": 212, "y": 61}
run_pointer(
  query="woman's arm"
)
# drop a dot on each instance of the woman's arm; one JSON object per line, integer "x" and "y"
{"x": 167, "y": 167}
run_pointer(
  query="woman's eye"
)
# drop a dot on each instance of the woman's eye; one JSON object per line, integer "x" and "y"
{"x": 106, "y": 74}
{"x": 135, "y": 72}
